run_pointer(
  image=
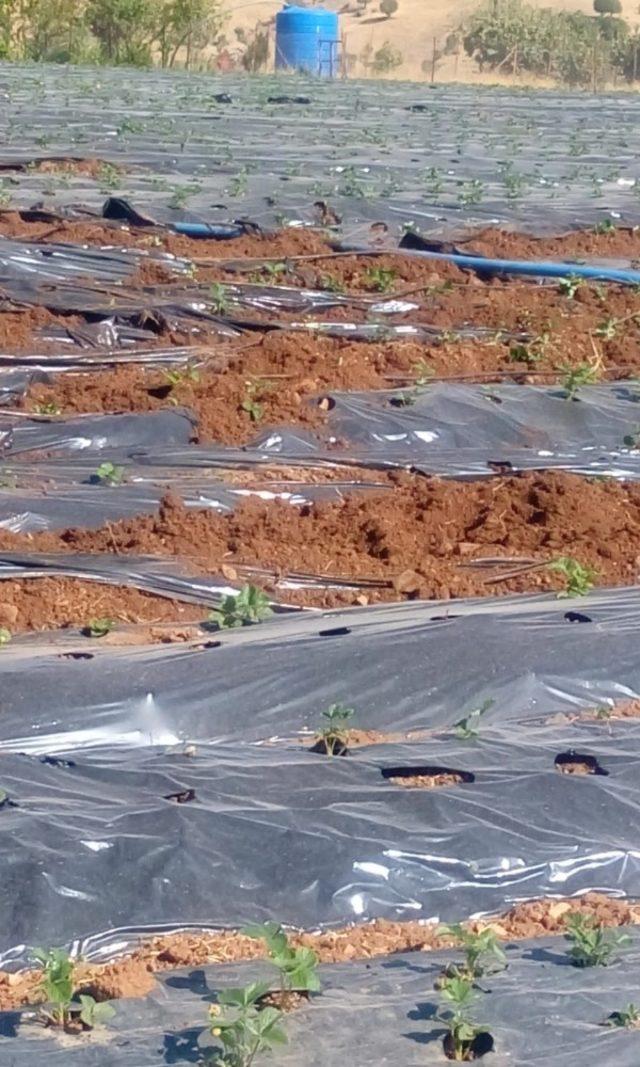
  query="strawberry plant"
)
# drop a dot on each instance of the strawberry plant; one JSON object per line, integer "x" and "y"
{"x": 628, "y": 1017}
{"x": 479, "y": 948}
{"x": 180, "y": 377}
{"x": 333, "y": 736}
{"x": 48, "y": 407}
{"x": 240, "y": 609}
{"x": 219, "y": 299}
{"x": 606, "y": 226}
{"x": 578, "y": 579}
{"x": 5, "y": 636}
{"x": 330, "y": 284}
{"x": 570, "y": 285}
{"x": 254, "y": 410}
{"x": 591, "y": 944}
{"x": 297, "y": 966}
{"x": 109, "y": 474}
{"x": 574, "y": 377}
{"x": 99, "y": 627}
{"x": 467, "y": 728}
{"x": 244, "y": 1029}
{"x": 459, "y": 996}
{"x": 57, "y": 985}
{"x": 380, "y": 278}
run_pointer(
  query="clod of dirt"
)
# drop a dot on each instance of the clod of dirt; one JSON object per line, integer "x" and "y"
{"x": 578, "y": 763}
{"x": 425, "y": 777}
{"x": 122, "y": 978}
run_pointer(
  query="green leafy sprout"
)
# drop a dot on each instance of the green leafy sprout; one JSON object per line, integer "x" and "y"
{"x": 248, "y": 606}
{"x": 5, "y": 636}
{"x": 574, "y": 377}
{"x": 578, "y": 579}
{"x": 479, "y": 949}
{"x": 48, "y": 407}
{"x": 57, "y": 985}
{"x": 99, "y": 627}
{"x": 628, "y": 1017}
{"x": 109, "y": 474}
{"x": 467, "y": 729}
{"x": 380, "y": 278}
{"x": 297, "y": 966}
{"x": 253, "y": 408}
{"x": 459, "y": 996}
{"x": 604, "y": 227}
{"x": 570, "y": 285}
{"x": 243, "y": 1027}
{"x": 591, "y": 945}
{"x": 330, "y": 284}
{"x": 219, "y": 298}
{"x": 333, "y": 732}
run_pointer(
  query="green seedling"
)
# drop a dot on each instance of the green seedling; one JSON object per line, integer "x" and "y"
{"x": 479, "y": 949}
{"x": 459, "y": 996}
{"x": 380, "y": 278}
{"x": 109, "y": 474}
{"x": 248, "y": 606}
{"x": 570, "y": 285}
{"x": 330, "y": 284}
{"x": 5, "y": 636}
{"x": 274, "y": 270}
{"x": 591, "y": 944}
{"x": 603, "y": 712}
{"x": 108, "y": 176}
{"x": 334, "y": 734}
{"x": 99, "y": 627}
{"x": 576, "y": 376}
{"x": 48, "y": 407}
{"x": 423, "y": 372}
{"x": 219, "y": 298}
{"x": 176, "y": 378}
{"x": 607, "y": 329}
{"x": 253, "y": 408}
{"x": 297, "y": 966}
{"x": 606, "y": 226}
{"x": 530, "y": 352}
{"x": 628, "y": 1017}
{"x": 57, "y": 985}
{"x": 245, "y": 1029}
{"x": 467, "y": 728}
{"x": 578, "y": 579}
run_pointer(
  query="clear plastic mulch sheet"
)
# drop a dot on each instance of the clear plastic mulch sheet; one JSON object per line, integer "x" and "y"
{"x": 97, "y": 851}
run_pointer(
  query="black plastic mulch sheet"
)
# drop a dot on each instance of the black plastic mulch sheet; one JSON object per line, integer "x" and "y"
{"x": 22, "y": 260}
{"x": 221, "y": 149}
{"x": 93, "y": 747}
{"x": 539, "y": 1011}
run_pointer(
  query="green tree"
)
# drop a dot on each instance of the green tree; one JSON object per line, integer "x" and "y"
{"x": 607, "y": 7}
{"x": 124, "y": 29}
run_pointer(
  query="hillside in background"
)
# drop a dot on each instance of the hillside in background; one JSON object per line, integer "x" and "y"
{"x": 412, "y": 31}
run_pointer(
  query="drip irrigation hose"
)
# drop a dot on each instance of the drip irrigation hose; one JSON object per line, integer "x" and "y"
{"x": 531, "y": 267}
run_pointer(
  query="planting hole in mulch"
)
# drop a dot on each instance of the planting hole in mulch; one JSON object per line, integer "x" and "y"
{"x": 284, "y": 999}
{"x": 576, "y": 616}
{"x": 474, "y": 1050}
{"x": 425, "y": 777}
{"x": 338, "y": 631}
{"x": 183, "y": 797}
{"x": 320, "y": 747}
{"x": 578, "y": 763}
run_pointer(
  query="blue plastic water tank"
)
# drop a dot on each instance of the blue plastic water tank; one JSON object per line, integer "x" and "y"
{"x": 307, "y": 39}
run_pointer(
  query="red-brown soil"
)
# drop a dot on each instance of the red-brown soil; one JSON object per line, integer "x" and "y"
{"x": 133, "y": 975}
{"x": 622, "y": 242}
{"x": 44, "y": 603}
{"x": 416, "y": 539}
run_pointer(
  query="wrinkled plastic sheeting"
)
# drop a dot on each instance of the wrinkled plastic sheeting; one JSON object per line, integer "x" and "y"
{"x": 381, "y": 1011}
{"x": 96, "y": 433}
{"x": 91, "y": 765}
{"x": 58, "y": 262}
{"x": 340, "y": 149}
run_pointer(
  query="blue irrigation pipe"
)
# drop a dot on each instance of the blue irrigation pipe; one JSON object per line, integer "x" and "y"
{"x": 203, "y": 229}
{"x": 536, "y": 269}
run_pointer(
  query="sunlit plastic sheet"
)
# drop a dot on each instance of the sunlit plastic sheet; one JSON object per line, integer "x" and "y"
{"x": 379, "y": 1011}
{"x": 353, "y": 845}
{"x": 58, "y": 262}
{"x": 96, "y": 432}
{"x": 470, "y": 154}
